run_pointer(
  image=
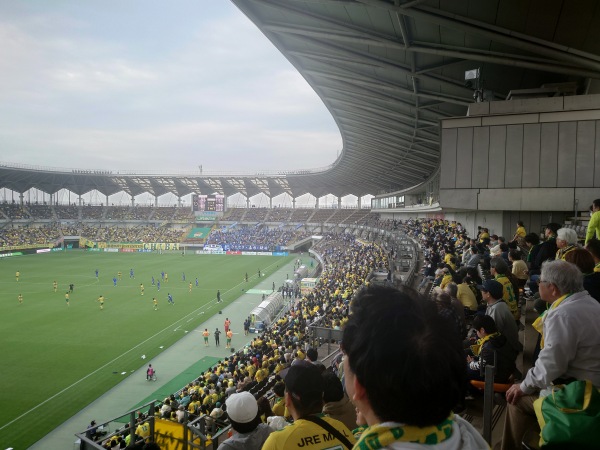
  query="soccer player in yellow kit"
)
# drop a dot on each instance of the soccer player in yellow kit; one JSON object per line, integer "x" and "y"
{"x": 155, "y": 303}
{"x": 190, "y": 286}
{"x": 141, "y": 289}
{"x": 67, "y": 298}
{"x": 101, "y": 301}
{"x": 20, "y": 297}
{"x": 17, "y": 275}
{"x": 55, "y": 285}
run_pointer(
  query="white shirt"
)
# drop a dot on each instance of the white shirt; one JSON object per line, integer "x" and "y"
{"x": 571, "y": 344}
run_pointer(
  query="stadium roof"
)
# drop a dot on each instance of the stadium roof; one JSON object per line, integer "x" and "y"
{"x": 388, "y": 71}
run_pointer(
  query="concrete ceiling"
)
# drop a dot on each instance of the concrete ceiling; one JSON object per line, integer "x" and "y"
{"x": 388, "y": 71}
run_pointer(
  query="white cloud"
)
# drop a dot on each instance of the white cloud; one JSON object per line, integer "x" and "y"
{"x": 157, "y": 90}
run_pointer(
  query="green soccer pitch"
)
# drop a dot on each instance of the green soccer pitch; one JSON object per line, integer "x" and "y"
{"x": 57, "y": 358}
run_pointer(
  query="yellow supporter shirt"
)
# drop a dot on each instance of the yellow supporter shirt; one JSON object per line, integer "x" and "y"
{"x": 261, "y": 374}
{"x": 308, "y": 435}
{"x": 143, "y": 430}
{"x": 279, "y": 408}
{"x": 447, "y": 279}
{"x": 466, "y": 297}
{"x": 508, "y": 295}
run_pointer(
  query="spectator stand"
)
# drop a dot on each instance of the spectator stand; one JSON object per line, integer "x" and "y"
{"x": 348, "y": 264}
{"x": 97, "y": 437}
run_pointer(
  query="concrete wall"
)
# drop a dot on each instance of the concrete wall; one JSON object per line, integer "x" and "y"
{"x": 522, "y": 155}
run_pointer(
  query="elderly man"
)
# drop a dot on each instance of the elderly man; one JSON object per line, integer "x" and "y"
{"x": 566, "y": 240}
{"x": 405, "y": 392}
{"x": 571, "y": 336}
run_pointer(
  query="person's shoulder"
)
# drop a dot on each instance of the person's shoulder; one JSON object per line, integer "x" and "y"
{"x": 579, "y": 303}
{"x": 341, "y": 427}
{"x": 277, "y": 438}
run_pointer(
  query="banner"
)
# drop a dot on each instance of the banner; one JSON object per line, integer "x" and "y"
{"x": 198, "y": 233}
{"x": 160, "y": 246}
{"x": 251, "y": 253}
{"x": 206, "y": 216}
{"x": 169, "y": 435}
{"x": 84, "y": 242}
{"x": 211, "y": 251}
{"x": 119, "y": 245}
{"x": 25, "y": 247}
{"x": 6, "y": 255}
{"x": 247, "y": 247}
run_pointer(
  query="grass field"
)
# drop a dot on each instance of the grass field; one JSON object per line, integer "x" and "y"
{"x": 56, "y": 359}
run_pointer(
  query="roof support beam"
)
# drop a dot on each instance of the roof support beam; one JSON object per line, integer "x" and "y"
{"x": 496, "y": 34}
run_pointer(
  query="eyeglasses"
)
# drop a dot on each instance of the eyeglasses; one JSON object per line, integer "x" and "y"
{"x": 542, "y": 281}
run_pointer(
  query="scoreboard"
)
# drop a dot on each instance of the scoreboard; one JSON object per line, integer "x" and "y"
{"x": 201, "y": 203}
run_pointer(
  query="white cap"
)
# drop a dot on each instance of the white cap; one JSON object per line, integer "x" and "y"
{"x": 242, "y": 407}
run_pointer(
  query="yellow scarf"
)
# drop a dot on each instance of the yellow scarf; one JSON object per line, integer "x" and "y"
{"x": 597, "y": 268}
{"x": 538, "y": 324}
{"x": 476, "y": 349}
{"x": 379, "y": 436}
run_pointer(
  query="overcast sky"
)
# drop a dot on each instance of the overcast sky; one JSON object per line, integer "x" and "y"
{"x": 152, "y": 86}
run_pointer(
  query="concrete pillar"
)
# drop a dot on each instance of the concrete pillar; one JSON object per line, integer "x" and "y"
{"x": 132, "y": 201}
{"x": 247, "y": 202}
{"x": 293, "y": 202}
{"x": 156, "y": 201}
{"x": 359, "y": 202}
{"x": 271, "y": 202}
{"x": 79, "y": 199}
{"x": 179, "y": 202}
{"x": 106, "y": 204}
{"x": 339, "y": 202}
{"x": 317, "y": 203}
{"x": 21, "y": 198}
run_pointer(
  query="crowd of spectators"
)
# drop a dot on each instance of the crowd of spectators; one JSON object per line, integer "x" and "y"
{"x": 471, "y": 278}
{"x": 68, "y": 212}
{"x": 257, "y": 367}
{"x": 14, "y": 211}
{"x": 240, "y": 237}
{"x": 302, "y": 215}
{"x": 38, "y": 235}
{"x": 43, "y": 211}
{"x": 50, "y": 233}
